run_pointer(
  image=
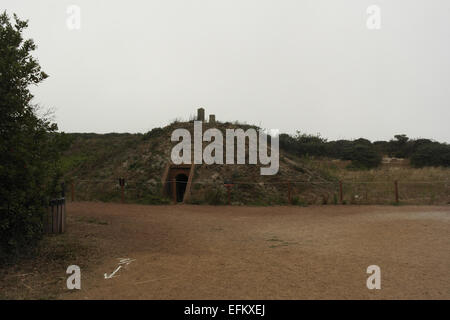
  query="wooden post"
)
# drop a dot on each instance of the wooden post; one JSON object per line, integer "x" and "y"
{"x": 396, "y": 191}
{"x": 289, "y": 192}
{"x": 72, "y": 191}
{"x": 341, "y": 196}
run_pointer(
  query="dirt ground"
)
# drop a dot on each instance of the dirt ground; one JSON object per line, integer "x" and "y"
{"x": 209, "y": 252}
{"x": 204, "y": 252}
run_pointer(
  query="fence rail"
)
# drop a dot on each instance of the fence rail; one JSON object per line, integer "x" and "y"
{"x": 325, "y": 192}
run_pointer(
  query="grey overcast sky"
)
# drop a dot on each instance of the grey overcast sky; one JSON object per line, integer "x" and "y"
{"x": 293, "y": 65}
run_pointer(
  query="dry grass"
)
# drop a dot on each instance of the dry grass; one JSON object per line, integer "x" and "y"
{"x": 376, "y": 186}
{"x": 390, "y": 174}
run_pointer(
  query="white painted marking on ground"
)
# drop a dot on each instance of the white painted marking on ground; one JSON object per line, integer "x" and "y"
{"x": 112, "y": 274}
{"x": 122, "y": 262}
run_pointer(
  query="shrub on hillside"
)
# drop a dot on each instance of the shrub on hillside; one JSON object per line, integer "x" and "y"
{"x": 364, "y": 156}
{"x": 215, "y": 196}
{"x": 434, "y": 154}
{"x": 155, "y": 132}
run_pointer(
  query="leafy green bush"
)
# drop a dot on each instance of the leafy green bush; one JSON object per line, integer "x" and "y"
{"x": 155, "y": 132}
{"x": 434, "y": 154}
{"x": 29, "y": 145}
{"x": 361, "y": 152}
{"x": 364, "y": 156}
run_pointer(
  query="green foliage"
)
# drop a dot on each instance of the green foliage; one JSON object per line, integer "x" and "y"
{"x": 297, "y": 201}
{"x": 304, "y": 144}
{"x": 29, "y": 145}
{"x": 433, "y": 154}
{"x": 364, "y": 156}
{"x": 155, "y": 132}
{"x": 361, "y": 152}
{"x": 422, "y": 152}
{"x": 215, "y": 196}
{"x": 89, "y": 149}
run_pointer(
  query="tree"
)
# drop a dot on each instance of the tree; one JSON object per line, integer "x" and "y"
{"x": 382, "y": 147}
{"x": 401, "y": 138}
{"x": 308, "y": 144}
{"x": 29, "y": 144}
{"x": 364, "y": 156}
{"x": 401, "y": 146}
{"x": 431, "y": 154}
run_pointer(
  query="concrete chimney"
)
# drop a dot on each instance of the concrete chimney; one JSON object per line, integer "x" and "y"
{"x": 201, "y": 114}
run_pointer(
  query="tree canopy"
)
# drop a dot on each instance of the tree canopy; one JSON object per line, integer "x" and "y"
{"x": 29, "y": 143}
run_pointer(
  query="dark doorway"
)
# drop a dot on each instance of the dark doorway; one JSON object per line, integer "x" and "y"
{"x": 181, "y": 182}
{"x": 177, "y": 178}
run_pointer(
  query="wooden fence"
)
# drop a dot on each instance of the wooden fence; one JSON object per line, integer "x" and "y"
{"x": 328, "y": 192}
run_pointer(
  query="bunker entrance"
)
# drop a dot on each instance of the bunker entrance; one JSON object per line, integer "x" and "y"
{"x": 180, "y": 185}
{"x": 177, "y": 182}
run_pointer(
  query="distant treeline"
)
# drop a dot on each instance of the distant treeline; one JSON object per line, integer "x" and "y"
{"x": 365, "y": 154}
